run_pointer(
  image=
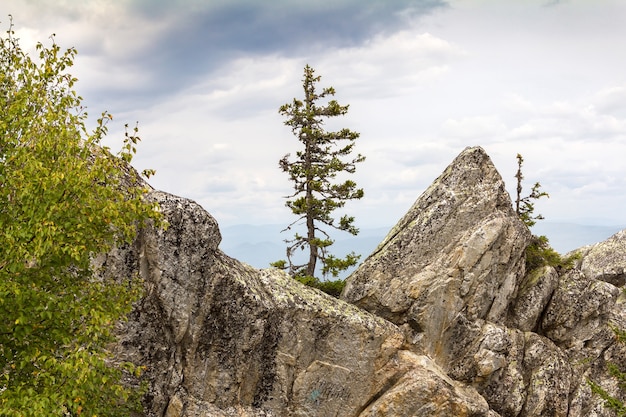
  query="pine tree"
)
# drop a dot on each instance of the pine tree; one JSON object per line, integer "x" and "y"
{"x": 524, "y": 207}
{"x": 313, "y": 173}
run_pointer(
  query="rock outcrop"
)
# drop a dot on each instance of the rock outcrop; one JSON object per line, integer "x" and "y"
{"x": 441, "y": 320}
{"x": 452, "y": 274}
{"x": 220, "y": 338}
{"x": 606, "y": 261}
{"x": 457, "y": 255}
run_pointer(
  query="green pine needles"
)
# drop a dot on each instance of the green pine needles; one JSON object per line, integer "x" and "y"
{"x": 524, "y": 206}
{"x": 314, "y": 170}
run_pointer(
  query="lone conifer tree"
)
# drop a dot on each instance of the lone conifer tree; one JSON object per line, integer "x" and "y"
{"x": 524, "y": 207}
{"x": 312, "y": 172}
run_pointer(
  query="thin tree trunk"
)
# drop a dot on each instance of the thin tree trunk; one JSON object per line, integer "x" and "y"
{"x": 310, "y": 270}
{"x": 310, "y": 223}
{"x": 519, "y": 177}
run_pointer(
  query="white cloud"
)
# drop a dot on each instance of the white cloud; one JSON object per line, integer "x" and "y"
{"x": 612, "y": 101}
{"x": 246, "y": 86}
{"x": 484, "y": 129}
{"x": 547, "y": 82}
{"x": 390, "y": 65}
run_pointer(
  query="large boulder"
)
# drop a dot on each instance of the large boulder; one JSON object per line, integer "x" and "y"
{"x": 578, "y": 310}
{"x": 582, "y": 317}
{"x": 452, "y": 275}
{"x": 425, "y": 390}
{"x": 457, "y": 253}
{"x": 606, "y": 260}
{"x": 518, "y": 373}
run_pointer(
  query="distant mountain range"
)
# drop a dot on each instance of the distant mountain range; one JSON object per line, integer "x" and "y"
{"x": 565, "y": 237}
{"x": 258, "y": 245}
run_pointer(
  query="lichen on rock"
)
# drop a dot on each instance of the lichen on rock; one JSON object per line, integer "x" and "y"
{"x": 442, "y": 319}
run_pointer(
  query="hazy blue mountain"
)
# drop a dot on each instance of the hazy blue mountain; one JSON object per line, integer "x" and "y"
{"x": 564, "y": 237}
{"x": 258, "y": 245}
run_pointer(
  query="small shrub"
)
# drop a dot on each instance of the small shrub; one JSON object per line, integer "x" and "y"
{"x": 333, "y": 288}
{"x": 539, "y": 253}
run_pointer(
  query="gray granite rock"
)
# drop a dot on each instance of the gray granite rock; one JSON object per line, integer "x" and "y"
{"x": 441, "y": 320}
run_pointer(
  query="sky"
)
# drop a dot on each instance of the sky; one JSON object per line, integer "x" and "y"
{"x": 424, "y": 79}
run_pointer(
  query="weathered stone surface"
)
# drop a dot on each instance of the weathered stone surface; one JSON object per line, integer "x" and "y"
{"x": 220, "y": 338}
{"x": 580, "y": 319}
{"x": 457, "y": 252}
{"x": 518, "y": 373}
{"x": 579, "y": 308}
{"x": 591, "y": 362}
{"x": 606, "y": 261}
{"x": 452, "y": 275}
{"x": 533, "y": 297}
{"x": 427, "y": 391}
{"x": 459, "y": 328}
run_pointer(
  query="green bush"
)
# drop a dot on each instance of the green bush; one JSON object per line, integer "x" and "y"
{"x": 64, "y": 198}
{"x": 333, "y": 288}
{"x": 539, "y": 253}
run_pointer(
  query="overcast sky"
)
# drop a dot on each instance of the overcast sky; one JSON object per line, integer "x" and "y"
{"x": 423, "y": 78}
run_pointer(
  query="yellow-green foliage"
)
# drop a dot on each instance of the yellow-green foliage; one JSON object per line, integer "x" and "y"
{"x": 63, "y": 199}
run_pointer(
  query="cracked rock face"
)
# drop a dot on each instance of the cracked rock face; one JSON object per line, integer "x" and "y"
{"x": 220, "y": 338}
{"x": 452, "y": 274}
{"x": 457, "y": 253}
{"x": 441, "y": 320}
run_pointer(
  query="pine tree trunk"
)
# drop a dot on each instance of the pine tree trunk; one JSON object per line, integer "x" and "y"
{"x": 310, "y": 223}
{"x": 310, "y": 270}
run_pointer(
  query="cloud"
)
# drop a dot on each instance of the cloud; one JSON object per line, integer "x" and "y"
{"x": 418, "y": 59}
{"x": 612, "y": 101}
{"x": 596, "y": 118}
{"x": 423, "y": 81}
{"x": 166, "y": 46}
{"x": 245, "y": 87}
{"x": 485, "y": 129}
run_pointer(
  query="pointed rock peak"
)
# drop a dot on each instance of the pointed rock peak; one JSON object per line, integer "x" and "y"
{"x": 459, "y": 251}
{"x": 470, "y": 182}
{"x": 469, "y": 190}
